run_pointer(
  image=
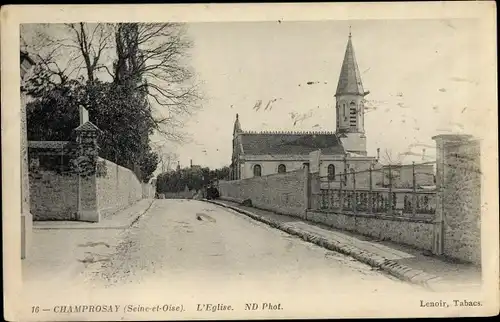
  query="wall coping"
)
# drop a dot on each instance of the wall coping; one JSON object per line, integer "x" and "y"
{"x": 122, "y": 167}
{"x": 48, "y": 144}
{"x": 394, "y": 190}
{"x": 375, "y": 216}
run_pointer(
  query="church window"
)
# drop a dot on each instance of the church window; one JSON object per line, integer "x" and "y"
{"x": 353, "y": 115}
{"x": 331, "y": 172}
{"x": 281, "y": 168}
{"x": 257, "y": 170}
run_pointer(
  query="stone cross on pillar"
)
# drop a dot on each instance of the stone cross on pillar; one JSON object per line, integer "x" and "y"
{"x": 84, "y": 115}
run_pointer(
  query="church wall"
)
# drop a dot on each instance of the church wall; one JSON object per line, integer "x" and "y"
{"x": 292, "y": 163}
{"x": 269, "y": 167}
{"x": 361, "y": 166}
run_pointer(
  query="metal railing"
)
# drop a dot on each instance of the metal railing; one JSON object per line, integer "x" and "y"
{"x": 377, "y": 192}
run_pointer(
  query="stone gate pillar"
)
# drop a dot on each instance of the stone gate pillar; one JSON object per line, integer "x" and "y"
{"x": 26, "y": 217}
{"x": 458, "y": 207}
{"x": 86, "y": 162}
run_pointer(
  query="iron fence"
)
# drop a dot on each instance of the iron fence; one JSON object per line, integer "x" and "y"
{"x": 377, "y": 193}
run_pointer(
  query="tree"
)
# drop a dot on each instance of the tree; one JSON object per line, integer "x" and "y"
{"x": 148, "y": 72}
{"x": 148, "y": 165}
{"x": 151, "y": 56}
{"x": 91, "y": 40}
{"x": 54, "y": 114}
{"x": 194, "y": 178}
{"x": 223, "y": 173}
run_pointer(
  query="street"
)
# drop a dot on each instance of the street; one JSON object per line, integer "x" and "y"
{"x": 191, "y": 243}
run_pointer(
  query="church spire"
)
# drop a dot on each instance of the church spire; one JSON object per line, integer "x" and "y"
{"x": 237, "y": 126}
{"x": 350, "y": 77}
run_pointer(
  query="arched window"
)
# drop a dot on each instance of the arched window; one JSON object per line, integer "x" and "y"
{"x": 257, "y": 171}
{"x": 281, "y": 168}
{"x": 331, "y": 172}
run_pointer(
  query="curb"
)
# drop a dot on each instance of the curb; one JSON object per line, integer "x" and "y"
{"x": 129, "y": 223}
{"x": 402, "y": 272}
{"x": 136, "y": 219}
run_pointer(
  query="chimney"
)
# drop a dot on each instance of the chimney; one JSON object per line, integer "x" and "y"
{"x": 84, "y": 115}
{"x": 191, "y": 163}
{"x": 378, "y": 154}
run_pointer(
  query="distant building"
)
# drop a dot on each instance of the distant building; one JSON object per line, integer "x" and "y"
{"x": 265, "y": 153}
{"x": 401, "y": 176}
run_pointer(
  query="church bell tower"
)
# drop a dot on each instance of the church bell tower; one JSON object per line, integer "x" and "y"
{"x": 349, "y": 104}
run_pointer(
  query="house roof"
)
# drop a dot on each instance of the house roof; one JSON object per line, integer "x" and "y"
{"x": 295, "y": 143}
{"x": 350, "y": 77}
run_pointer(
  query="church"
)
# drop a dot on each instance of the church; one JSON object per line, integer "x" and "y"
{"x": 264, "y": 153}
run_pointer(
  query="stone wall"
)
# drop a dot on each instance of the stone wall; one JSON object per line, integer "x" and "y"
{"x": 117, "y": 187}
{"x": 283, "y": 193}
{"x": 148, "y": 190}
{"x": 65, "y": 195}
{"x": 461, "y": 198}
{"x": 403, "y": 230}
{"x": 178, "y": 195}
{"x": 53, "y": 196}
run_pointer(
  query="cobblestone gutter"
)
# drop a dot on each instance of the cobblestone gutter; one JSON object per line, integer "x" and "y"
{"x": 399, "y": 271}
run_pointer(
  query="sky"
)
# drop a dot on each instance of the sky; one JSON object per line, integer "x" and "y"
{"x": 420, "y": 73}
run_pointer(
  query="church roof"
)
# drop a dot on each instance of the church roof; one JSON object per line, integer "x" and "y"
{"x": 350, "y": 77}
{"x": 290, "y": 143}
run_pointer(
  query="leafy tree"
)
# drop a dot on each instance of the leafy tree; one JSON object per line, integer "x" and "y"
{"x": 148, "y": 164}
{"x": 194, "y": 178}
{"x": 53, "y": 115}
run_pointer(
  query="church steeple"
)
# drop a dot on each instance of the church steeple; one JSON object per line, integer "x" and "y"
{"x": 350, "y": 77}
{"x": 350, "y": 103}
{"x": 237, "y": 126}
